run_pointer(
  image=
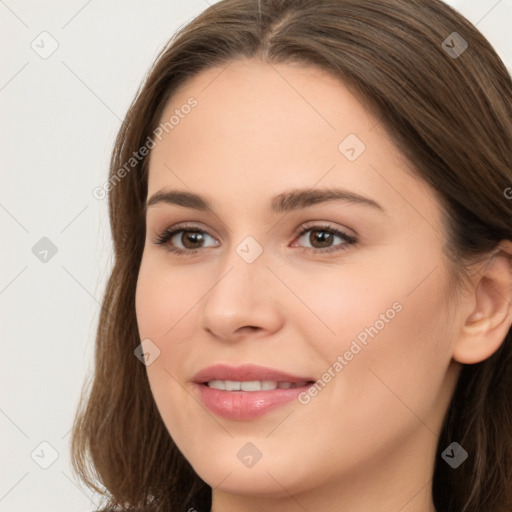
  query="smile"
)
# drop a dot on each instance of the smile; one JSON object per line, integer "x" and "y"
{"x": 253, "y": 385}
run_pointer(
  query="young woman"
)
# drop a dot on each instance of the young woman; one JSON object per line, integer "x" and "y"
{"x": 310, "y": 306}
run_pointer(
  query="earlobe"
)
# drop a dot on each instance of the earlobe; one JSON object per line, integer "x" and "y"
{"x": 487, "y": 325}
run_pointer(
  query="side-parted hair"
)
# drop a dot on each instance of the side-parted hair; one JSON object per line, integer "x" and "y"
{"x": 447, "y": 108}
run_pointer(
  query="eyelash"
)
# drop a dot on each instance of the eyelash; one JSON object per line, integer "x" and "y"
{"x": 168, "y": 234}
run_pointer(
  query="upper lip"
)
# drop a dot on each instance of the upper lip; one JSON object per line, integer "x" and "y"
{"x": 246, "y": 372}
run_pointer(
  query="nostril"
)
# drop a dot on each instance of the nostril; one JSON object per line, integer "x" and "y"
{"x": 251, "y": 327}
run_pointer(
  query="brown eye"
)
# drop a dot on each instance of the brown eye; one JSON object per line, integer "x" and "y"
{"x": 191, "y": 239}
{"x": 183, "y": 239}
{"x": 323, "y": 239}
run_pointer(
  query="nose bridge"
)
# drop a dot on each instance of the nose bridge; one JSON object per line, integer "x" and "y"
{"x": 239, "y": 296}
{"x": 242, "y": 273}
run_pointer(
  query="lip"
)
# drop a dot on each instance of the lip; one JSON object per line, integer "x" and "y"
{"x": 246, "y": 372}
{"x": 246, "y": 405}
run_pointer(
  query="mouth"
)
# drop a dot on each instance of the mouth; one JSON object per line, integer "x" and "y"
{"x": 247, "y": 392}
{"x": 250, "y": 376}
{"x": 254, "y": 385}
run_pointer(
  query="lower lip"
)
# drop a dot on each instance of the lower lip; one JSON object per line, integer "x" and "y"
{"x": 246, "y": 405}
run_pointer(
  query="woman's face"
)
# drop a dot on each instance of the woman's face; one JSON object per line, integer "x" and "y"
{"x": 359, "y": 302}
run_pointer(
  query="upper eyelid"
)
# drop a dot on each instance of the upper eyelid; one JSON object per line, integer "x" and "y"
{"x": 304, "y": 226}
{"x": 185, "y": 227}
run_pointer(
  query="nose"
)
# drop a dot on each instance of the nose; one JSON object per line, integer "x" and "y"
{"x": 242, "y": 301}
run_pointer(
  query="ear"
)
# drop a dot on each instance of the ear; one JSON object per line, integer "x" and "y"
{"x": 490, "y": 320}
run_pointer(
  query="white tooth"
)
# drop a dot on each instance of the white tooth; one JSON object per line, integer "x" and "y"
{"x": 232, "y": 385}
{"x": 217, "y": 384}
{"x": 252, "y": 385}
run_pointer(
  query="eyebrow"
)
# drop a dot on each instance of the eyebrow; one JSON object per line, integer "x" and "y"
{"x": 285, "y": 202}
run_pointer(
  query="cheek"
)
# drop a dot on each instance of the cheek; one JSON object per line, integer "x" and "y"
{"x": 164, "y": 309}
{"x": 396, "y": 353}
{"x": 165, "y": 299}
{"x": 391, "y": 379}
{"x": 390, "y": 328}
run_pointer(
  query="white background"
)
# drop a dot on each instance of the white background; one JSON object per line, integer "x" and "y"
{"x": 59, "y": 117}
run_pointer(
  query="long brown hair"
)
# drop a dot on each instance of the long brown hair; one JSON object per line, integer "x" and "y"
{"x": 447, "y": 107}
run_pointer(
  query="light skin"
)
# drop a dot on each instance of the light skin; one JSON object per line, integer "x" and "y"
{"x": 368, "y": 439}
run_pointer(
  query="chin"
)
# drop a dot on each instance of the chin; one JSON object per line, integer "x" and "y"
{"x": 255, "y": 481}
{"x": 228, "y": 468}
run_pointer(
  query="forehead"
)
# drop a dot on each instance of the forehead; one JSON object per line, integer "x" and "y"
{"x": 249, "y": 100}
{"x": 257, "y": 129}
